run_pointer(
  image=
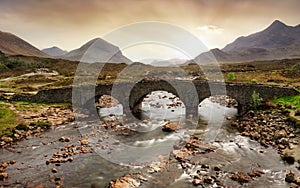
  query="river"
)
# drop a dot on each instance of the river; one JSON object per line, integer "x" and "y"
{"x": 235, "y": 153}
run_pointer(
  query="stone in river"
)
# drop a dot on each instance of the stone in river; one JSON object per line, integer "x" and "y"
{"x": 169, "y": 127}
{"x": 84, "y": 142}
{"x": 196, "y": 182}
{"x": 54, "y": 170}
{"x": 241, "y": 177}
{"x": 3, "y": 176}
{"x": 290, "y": 177}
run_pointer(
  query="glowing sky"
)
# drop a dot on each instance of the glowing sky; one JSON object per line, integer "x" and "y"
{"x": 69, "y": 24}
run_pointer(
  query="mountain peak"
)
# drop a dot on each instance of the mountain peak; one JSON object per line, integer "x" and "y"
{"x": 54, "y": 51}
{"x": 277, "y": 24}
{"x": 97, "y": 50}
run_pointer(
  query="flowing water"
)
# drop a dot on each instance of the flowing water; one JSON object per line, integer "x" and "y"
{"x": 235, "y": 153}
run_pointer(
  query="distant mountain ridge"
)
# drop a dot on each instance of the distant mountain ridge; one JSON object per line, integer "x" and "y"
{"x": 54, "y": 51}
{"x": 97, "y": 50}
{"x": 13, "y": 45}
{"x": 277, "y": 35}
{"x": 278, "y": 41}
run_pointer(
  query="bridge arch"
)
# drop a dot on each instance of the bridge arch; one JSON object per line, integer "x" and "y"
{"x": 185, "y": 91}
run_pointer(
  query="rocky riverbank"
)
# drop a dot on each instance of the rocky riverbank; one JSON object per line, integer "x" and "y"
{"x": 224, "y": 100}
{"x": 34, "y": 122}
{"x": 273, "y": 128}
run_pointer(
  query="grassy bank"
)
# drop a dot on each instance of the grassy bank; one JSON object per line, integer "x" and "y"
{"x": 293, "y": 100}
{"x": 8, "y": 119}
{"x": 25, "y": 113}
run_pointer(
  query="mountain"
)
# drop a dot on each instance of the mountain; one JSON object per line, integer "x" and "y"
{"x": 163, "y": 63}
{"x": 13, "y": 45}
{"x": 168, "y": 63}
{"x": 277, "y": 35}
{"x": 54, "y": 51}
{"x": 278, "y": 41}
{"x": 97, "y": 50}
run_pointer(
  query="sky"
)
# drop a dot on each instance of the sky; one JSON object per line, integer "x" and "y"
{"x": 71, "y": 23}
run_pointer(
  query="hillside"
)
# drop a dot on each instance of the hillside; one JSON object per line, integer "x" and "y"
{"x": 278, "y": 41}
{"x": 13, "y": 45}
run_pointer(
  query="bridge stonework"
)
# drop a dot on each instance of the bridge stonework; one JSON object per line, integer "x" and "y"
{"x": 130, "y": 94}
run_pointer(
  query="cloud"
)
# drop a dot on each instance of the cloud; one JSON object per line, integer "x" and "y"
{"x": 210, "y": 29}
{"x": 69, "y": 24}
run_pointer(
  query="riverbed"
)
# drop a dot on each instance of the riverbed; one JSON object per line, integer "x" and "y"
{"x": 119, "y": 148}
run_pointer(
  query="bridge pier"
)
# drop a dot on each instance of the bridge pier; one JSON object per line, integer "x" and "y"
{"x": 241, "y": 109}
{"x": 191, "y": 112}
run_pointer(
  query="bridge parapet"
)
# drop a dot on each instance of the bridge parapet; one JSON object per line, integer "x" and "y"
{"x": 131, "y": 94}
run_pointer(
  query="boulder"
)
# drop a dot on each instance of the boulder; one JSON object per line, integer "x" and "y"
{"x": 84, "y": 142}
{"x": 3, "y": 176}
{"x": 169, "y": 127}
{"x": 124, "y": 182}
{"x": 7, "y": 139}
{"x": 290, "y": 177}
{"x": 241, "y": 177}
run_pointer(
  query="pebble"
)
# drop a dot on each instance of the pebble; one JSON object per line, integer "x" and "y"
{"x": 3, "y": 176}
{"x": 54, "y": 170}
{"x": 84, "y": 142}
{"x": 196, "y": 182}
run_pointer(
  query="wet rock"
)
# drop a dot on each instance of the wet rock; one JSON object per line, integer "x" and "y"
{"x": 280, "y": 146}
{"x": 140, "y": 177}
{"x": 287, "y": 157}
{"x": 217, "y": 167}
{"x": 54, "y": 170}
{"x": 84, "y": 142}
{"x": 229, "y": 118}
{"x": 202, "y": 172}
{"x": 208, "y": 180}
{"x": 2, "y": 143}
{"x": 255, "y": 135}
{"x": 293, "y": 185}
{"x": 4, "y": 164}
{"x": 3, "y": 176}
{"x": 297, "y": 181}
{"x": 288, "y": 105}
{"x": 154, "y": 168}
{"x": 241, "y": 177}
{"x": 297, "y": 112}
{"x": 245, "y": 133}
{"x": 205, "y": 166}
{"x": 169, "y": 127}
{"x": 269, "y": 105}
{"x": 196, "y": 182}
{"x": 124, "y": 182}
{"x": 179, "y": 155}
{"x": 64, "y": 139}
{"x": 284, "y": 141}
{"x": 70, "y": 159}
{"x": 6, "y": 139}
{"x": 256, "y": 173}
{"x": 289, "y": 177}
{"x": 280, "y": 134}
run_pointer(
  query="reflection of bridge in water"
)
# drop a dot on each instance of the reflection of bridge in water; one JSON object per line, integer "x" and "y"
{"x": 130, "y": 94}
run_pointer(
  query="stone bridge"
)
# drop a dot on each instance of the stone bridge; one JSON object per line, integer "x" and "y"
{"x": 130, "y": 94}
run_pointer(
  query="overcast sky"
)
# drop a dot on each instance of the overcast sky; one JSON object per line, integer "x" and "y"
{"x": 69, "y": 24}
